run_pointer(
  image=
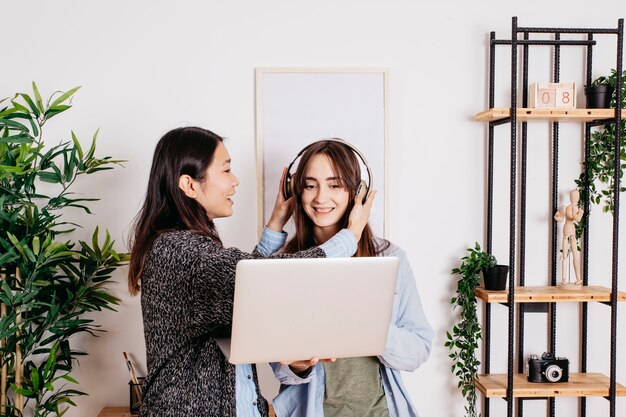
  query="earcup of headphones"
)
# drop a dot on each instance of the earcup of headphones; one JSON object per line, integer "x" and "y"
{"x": 288, "y": 187}
{"x": 361, "y": 190}
{"x": 292, "y": 188}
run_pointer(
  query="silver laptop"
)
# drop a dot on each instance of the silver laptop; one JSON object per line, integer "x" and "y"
{"x": 293, "y": 309}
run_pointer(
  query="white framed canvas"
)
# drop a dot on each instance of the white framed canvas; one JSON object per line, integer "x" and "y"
{"x": 297, "y": 106}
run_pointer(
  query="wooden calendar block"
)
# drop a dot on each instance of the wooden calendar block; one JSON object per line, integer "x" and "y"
{"x": 552, "y": 95}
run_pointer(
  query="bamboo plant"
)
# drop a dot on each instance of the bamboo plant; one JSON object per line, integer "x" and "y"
{"x": 49, "y": 282}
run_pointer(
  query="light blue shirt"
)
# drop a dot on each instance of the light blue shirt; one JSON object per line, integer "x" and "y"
{"x": 342, "y": 245}
{"x": 245, "y": 392}
{"x": 408, "y": 346}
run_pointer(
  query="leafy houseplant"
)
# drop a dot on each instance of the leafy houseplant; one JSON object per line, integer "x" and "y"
{"x": 48, "y": 283}
{"x": 598, "y": 171}
{"x": 463, "y": 341}
{"x": 599, "y": 92}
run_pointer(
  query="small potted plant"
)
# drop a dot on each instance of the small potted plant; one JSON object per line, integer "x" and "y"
{"x": 462, "y": 341}
{"x": 494, "y": 275}
{"x": 599, "y": 92}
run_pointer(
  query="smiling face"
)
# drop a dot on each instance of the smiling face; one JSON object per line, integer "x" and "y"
{"x": 214, "y": 192}
{"x": 324, "y": 197}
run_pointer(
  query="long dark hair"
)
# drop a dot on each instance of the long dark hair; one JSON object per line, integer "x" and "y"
{"x": 182, "y": 151}
{"x": 346, "y": 167}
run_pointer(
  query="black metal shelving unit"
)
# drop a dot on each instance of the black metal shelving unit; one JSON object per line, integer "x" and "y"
{"x": 521, "y": 41}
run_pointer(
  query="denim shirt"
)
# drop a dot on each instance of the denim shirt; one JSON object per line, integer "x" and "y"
{"x": 408, "y": 346}
{"x": 343, "y": 244}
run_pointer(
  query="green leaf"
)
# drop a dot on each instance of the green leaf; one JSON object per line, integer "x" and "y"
{"x": 13, "y": 125}
{"x": 53, "y": 111}
{"x": 18, "y": 115}
{"x": 94, "y": 243}
{"x": 19, "y": 138}
{"x": 34, "y": 377}
{"x": 36, "y": 245}
{"x": 65, "y": 96}
{"x": 50, "y": 177}
{"x": 38, "y": 99}
{"x": 77, "y": 146}
{"x": 33, "y": 108}
{"x": 69, "y": 378}
{"x": 25, "y": 392}
{"x": 92, "y": 148}
{"x": 48, "y": 369}
{"x": 11, "y": 169}
{"x": 20, "y": 107}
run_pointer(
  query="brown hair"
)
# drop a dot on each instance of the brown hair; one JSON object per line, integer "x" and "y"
{"x": 346, "y": 167}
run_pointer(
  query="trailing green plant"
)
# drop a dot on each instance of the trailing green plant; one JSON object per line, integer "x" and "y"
{"x": 599, "y": 169}
{"x": 463, "y": 341}
{"x": 48, "y": 283}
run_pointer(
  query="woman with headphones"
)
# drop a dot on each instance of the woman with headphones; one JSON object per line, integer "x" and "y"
{"x": 187, "y": 278}
{"x": 325, "y": 187}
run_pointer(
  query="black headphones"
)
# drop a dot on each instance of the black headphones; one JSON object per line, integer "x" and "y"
{"x": 288, "y": 185}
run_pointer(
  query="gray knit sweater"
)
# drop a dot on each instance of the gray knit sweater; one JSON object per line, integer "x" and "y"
{"x": 187, "y": 292}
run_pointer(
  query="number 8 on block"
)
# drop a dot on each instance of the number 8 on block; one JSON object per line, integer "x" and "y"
{"x": 552, "y": 95}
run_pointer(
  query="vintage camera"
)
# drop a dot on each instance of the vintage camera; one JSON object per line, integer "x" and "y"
{"x": 547, "y": 369}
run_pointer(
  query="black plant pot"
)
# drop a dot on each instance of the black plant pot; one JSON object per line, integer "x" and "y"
{"x": 495, "y": 278}
{"x": 598, "y": 96}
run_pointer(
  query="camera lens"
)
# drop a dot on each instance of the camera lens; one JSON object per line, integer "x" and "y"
{"x": 553, "y": 373}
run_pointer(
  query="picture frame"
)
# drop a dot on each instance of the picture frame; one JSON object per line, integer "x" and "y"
{"x": 297, "y": 106}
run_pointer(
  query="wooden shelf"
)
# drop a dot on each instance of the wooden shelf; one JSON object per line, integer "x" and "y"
{"x": 579, "y": 385}
{"x": 549, "y": 294}
{"x": 560, "y": 115}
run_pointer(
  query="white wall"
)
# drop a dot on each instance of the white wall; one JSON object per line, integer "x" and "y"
{"x": 149, "y": 66}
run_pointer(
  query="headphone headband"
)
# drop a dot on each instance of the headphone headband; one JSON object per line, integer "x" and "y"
{"x": 287, "y": 187}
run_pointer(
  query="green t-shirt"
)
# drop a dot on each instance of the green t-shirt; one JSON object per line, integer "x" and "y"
{"x": 354, "y": 388}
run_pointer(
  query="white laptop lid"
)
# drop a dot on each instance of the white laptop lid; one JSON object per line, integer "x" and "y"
{"x": 293, "y": 309}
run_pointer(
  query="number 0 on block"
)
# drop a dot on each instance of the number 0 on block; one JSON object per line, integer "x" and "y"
{"x": 556, "y": 95}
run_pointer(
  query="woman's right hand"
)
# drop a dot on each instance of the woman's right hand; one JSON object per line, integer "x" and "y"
{"x": 360, "y": 214}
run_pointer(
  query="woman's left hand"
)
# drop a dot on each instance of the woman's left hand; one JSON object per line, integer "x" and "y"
{"x": 360, "y": 214}
{"x": 282, "y": 208}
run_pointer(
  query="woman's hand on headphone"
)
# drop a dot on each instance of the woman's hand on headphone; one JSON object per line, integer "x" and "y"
{"x": 360, "y": 214}
{"x": 283, "y": 209}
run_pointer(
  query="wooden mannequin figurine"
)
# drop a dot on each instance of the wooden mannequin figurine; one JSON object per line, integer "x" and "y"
{"x": 571, "y": 214}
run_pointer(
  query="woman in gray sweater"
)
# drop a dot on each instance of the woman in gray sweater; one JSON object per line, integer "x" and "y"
{"x": 186, "y": 277}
